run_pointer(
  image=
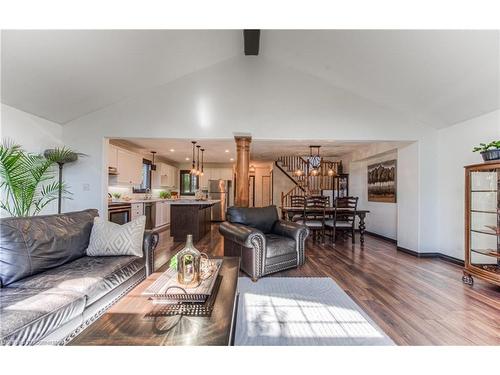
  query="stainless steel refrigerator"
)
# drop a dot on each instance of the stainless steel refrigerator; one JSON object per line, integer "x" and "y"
{"x": 219, "y": 189}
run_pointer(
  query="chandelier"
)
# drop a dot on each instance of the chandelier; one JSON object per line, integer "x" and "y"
{"x": 314, "y": 160}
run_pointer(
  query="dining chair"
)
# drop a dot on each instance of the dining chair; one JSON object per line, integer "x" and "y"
{"x": 297, "y": 201}
{"x": 314, "y": 215}
{"x": 345, "y": 223}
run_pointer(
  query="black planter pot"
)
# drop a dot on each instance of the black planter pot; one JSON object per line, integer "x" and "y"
{"x": 491, "y": 155}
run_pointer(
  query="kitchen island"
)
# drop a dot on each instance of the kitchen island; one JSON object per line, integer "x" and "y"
{"x": 189, "y": 216}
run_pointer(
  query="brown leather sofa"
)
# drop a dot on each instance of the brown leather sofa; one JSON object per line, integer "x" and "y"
{"x": 264, "y": 243}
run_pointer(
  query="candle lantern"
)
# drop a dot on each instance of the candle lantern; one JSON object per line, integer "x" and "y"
{"x": 188, "y": 265}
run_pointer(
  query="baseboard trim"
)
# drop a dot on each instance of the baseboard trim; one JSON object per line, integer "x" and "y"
{"x": 381, "y": 237}
{"x": 441, "y": 256}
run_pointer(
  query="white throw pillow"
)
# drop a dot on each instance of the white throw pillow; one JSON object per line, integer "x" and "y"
{"x": 111, "y": 239}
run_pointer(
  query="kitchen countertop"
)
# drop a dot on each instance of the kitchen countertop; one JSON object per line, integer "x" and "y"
{"x": 195, "y": 202}
{"x": 172, "y": 201}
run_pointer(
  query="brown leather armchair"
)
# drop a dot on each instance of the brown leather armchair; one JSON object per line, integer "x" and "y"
{"x": 264, "y": 243}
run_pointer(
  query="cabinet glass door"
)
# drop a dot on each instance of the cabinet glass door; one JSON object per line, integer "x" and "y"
{"x": 485, "y": 219}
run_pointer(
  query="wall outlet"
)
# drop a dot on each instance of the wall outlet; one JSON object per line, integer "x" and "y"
{"x": 86, "y": 187}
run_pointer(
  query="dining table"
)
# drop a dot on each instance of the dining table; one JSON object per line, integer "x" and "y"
{"x": 288, "y": 212}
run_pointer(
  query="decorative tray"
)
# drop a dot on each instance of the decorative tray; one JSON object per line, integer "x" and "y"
{"x": 203, "y": 309}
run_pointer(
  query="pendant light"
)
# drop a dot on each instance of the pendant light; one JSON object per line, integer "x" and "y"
{"x": 153, "y": 165}
{"x": 314, "y": 160}
{"x": 298, "y": 172}
{"x": 331, "y": 171}
{"x": 193, "y": 165}
{"x": 198, "y": 161}
{"x": 202, "y": 151}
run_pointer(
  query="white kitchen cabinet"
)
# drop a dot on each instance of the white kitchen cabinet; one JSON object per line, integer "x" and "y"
{"x": 129, "y": 168}
{"x": 226, "y": 174}
{"x": 165, "y": 176}
{"x": 112, "y": 156}
{"x": 137, "y": 209}
{"x": 159, "y": 214}
{"x": 156, "y": 176}
{"x": 205, "y": 178}
{"x": 165, "y": 207}
{"x": 217, "y": 174}
{"x": 162, "y": 213}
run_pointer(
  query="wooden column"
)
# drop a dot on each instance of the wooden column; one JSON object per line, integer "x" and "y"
{"x": 242, "y": 165}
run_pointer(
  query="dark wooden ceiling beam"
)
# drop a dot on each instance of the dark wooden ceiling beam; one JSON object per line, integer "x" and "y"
{"x": 252, "y": 42}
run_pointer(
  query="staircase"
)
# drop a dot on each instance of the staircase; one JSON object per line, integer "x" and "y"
{"x": 305, "y": 184}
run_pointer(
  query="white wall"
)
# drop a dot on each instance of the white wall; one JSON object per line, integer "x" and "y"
{"x": 281, "y": 183}
{"x": 409, "y": 230}
{"x": 241, "y": 95}
{"x": 267, "y": 100}
{"x": 33, "y": 133}
{"x": 383, "y": 216}
{"x": 454, "y": 152}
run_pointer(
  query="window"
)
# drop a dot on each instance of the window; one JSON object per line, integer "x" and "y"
{"x": 189, "y": 183}
{"x": 146, "y": 178}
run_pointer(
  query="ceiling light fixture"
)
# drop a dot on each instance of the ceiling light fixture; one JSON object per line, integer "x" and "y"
{"x": 193, "y": 165}
{"x": 331, "y": 170}
{"x": 251, "y": 169}
{"x": 172, "y": 150}
{"x": 314, "y": 160}
{"x": 226, "y": 151}
{"x": 198, "y": 161}
{"x": 298, "y": 172}
{"x": 202, "y": 151}
{"x": 231, "y": 159}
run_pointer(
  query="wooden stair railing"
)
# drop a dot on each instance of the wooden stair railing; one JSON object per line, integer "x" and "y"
{"x": 286, "y": 198}
{"x": 304, "y": 183}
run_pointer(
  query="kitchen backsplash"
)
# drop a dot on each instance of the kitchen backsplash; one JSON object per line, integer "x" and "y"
{"x": 127, "y": 191}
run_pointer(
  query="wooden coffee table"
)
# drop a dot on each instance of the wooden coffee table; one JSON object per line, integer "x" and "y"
{"x": 125, "y": 322}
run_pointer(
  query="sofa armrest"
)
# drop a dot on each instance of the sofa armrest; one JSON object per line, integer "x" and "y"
{"x": 290, "y": 229}
{"x": 297, "y": 232}
{"x": 240, "y": 233}
{"x": 151, "y": 239}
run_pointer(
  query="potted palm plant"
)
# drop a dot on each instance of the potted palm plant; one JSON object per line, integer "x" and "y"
{"x": 489, "y": 151}
{"x": 28, "y": 181}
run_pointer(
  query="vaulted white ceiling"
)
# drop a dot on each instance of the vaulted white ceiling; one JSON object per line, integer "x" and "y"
{"x": 224, "y": 150}
{"x": 435, "y": 77}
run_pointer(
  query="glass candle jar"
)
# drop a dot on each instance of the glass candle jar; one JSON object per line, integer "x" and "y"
{"x": 188, "y": 265}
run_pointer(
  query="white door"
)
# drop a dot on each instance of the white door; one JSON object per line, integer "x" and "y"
{"x": 266, "y": 191}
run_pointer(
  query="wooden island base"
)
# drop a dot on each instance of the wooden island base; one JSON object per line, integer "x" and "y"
{"x": 192, "y": 217}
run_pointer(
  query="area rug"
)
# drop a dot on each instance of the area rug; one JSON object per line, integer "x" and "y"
{"x": 301, "y": 311}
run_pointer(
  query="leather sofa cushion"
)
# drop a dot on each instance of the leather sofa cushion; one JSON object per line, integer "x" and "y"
{"x": 278, "y": 246}
{"x": 93, "y": 277}
{"x": 31, "y": 245}
{"x": 262, "y": 218}
{"x": 28, "y": 315}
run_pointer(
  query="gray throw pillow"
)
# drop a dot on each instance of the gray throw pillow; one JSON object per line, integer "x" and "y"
{"x": 111, "y": 239}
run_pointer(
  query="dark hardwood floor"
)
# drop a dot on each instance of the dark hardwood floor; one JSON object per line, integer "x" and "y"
{"x": 415, "y": 301}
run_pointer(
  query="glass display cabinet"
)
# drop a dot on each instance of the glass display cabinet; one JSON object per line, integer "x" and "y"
{"x": 482, "y": 223}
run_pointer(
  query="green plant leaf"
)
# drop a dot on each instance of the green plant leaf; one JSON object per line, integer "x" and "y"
{"x": 27, "y": 179}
